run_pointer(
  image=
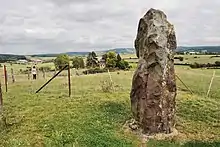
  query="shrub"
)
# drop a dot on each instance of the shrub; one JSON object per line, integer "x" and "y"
{"x": 180, "y": 58}
{"x": 215, "y": 56}
{"x": 195, "y": 65}
{"x": 208, "y": 65}
{"x": 217, "y": 63}
{"x": 94, "y": 71}
{"x": 107, "y": 86}
{"x": 78, "y": 62}
{"x": 123, "y": 65}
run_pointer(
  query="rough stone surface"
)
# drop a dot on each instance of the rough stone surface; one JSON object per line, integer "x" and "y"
{"x": 154, "y": 87}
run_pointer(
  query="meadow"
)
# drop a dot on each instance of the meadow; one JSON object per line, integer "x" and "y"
{"x": 189, "y": 59}
{"x": 94, "y": 118}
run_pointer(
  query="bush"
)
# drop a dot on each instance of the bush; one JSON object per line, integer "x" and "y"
{"x": 107, "y": 86}
{"x": 208, "y": 65}
{"x": 180, "y": 58}
{"x": 217, "y": 63}
{"x": 78, "y": 63}
{"x": 94, "y": 71}
{"x": 215, "y": 56}
{"x": 115, "y": 61}
{"x": 123, "y": 65}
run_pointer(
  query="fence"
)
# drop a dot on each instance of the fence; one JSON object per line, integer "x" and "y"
{"x": 16, "y": 77}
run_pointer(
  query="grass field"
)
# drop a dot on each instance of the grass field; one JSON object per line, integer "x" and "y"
{"x": 93, "y": 118}
{"x": 190, "y": 59}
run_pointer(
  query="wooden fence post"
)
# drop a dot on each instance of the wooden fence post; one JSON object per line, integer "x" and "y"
{"x": 28, "y": 75}
{"x": 69, "y": 80}
{"x": 2, "y": 117}
{"x": 12, "y": 75}
{"x": 6, "y": 78}
{"x": 210, "y": 85}
{"x": 44, "y": 76}
{"x": 1, "y": 99}
{"x": 55, "y": 71}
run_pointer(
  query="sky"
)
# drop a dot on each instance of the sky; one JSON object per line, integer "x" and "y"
{"x": 55, "y": 26}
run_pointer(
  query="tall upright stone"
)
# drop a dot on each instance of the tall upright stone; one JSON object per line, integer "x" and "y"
{"x": 154, "y": 86}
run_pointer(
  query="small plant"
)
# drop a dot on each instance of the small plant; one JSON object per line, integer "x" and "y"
{"x": 107, "y": 86}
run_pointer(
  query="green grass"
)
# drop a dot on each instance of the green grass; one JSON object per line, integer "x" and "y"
{"x": 92, "y": 118}
{"x": 190, "y": 59}
{"x": 200, "y": 58}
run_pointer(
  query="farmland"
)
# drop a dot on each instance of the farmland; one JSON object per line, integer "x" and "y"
{"x": 189, "y": 59}
{"x": 94, "y": 118}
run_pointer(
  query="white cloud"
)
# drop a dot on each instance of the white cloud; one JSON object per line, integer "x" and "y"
{"x": 29, "y": 26}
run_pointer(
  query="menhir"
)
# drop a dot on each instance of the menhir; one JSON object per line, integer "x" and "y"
{"x": 154, "y": 86}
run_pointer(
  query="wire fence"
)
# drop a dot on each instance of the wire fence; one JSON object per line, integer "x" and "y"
{"x": 201, "y": 82}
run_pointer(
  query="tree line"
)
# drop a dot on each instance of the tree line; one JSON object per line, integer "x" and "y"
{"x": 108, "y": 60}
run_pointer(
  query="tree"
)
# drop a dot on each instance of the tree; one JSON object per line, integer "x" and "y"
{"x": 104, "y": 57}
{"x": 92, "y": 60}
{"x": 61, "y": 61}
{"x": 111, "y": 55}
{"x": 119, "y": 58}
{"x": 78, "y": 63}
{"x": 111, "y": 61}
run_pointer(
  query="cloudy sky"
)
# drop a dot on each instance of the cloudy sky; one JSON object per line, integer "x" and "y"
{"x": 49, "y": 26}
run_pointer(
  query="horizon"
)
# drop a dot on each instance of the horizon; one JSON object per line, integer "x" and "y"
{"x": 48, "y": 53}
{"x": 54, "y": 26}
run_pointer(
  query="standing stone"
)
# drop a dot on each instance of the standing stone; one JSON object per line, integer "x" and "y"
{"x": 154, "y": 87}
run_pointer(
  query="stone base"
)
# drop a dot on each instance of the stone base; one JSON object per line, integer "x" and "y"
{"x": 133, "y": 126}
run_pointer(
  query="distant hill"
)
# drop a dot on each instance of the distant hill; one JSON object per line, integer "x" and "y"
{"x": 199, "y": 48}
{"x": 132, "y": 51}
{"x": 77, "y": 53}
{"x": 122, "y": 50}
{"x": 117, "y": 50}
{"x": 9, "y": 57}
{"x": 44, "y": 55}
